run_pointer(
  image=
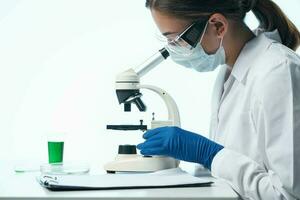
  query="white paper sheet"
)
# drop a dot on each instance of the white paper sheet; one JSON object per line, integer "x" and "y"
{"x": 170, "y": 177}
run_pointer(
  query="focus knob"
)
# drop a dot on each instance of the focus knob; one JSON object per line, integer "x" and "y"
{"x": 127, "y": 149}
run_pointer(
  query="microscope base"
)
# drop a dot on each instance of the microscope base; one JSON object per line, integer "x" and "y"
{"x": 139, "y": 163}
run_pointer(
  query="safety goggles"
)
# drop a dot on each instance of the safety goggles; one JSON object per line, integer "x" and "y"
{"x": 186, "y": 41}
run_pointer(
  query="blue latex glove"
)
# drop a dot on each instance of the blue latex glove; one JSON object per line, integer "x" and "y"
{"x": 180, "y": 144}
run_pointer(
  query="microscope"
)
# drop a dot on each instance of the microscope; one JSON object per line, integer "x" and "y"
{"x": 128, "y": 90}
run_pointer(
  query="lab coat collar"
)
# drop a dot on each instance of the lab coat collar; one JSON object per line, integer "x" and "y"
{"x": 251, "y": 51}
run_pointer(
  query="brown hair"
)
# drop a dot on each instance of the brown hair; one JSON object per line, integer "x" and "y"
{"x": 267, "y": 12}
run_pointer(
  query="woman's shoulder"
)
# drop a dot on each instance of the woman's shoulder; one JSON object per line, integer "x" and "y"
{"x": 275, "y": 57}
{"x": 276, "y": 72}
{"x": 276, "y": 54}
{"x": 281, "y": 54}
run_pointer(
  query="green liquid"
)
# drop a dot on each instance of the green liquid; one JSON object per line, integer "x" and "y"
{"x": 55, "y": 152}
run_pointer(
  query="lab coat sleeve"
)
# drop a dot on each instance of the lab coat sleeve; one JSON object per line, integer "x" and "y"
{"x": 276, "y": 116}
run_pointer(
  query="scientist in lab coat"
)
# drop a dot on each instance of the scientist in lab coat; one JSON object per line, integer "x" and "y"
{"x": 254, "y": 142}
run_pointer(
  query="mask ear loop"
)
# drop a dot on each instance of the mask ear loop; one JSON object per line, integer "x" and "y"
{"x": 221, "y": 43}
{"x": 203, "y": 32}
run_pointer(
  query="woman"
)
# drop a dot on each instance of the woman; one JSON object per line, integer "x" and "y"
{"x": 255, "y": 128}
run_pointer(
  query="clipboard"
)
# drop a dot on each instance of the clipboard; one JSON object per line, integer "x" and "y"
{"x": 172, "y": 178}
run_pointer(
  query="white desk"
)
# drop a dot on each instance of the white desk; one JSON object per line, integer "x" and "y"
{"x": 24, "y": 186}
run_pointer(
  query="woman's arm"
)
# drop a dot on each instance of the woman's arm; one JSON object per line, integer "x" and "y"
{"x": 276, "y": 115}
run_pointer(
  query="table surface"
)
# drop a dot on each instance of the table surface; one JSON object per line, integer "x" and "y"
{"x": 24, "y": 186}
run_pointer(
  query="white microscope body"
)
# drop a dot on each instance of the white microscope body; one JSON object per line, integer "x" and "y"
{"x": 128, "y": 91}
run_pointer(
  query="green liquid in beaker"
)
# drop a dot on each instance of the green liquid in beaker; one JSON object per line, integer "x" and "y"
{"x": 55, "y": 152}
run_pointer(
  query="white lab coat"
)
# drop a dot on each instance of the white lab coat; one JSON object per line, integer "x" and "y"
{"x": 256, "y": 116}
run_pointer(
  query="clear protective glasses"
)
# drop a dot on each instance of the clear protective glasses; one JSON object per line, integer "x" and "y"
{"x": 185, "y": 42}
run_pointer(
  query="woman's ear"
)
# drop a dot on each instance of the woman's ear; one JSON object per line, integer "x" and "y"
{"x": 220, "y": 24}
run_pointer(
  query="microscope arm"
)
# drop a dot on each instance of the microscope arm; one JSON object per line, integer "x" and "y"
{"x": 173, "y": 113}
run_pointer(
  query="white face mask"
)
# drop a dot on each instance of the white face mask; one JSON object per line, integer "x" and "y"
{"x": 198, "y": 59}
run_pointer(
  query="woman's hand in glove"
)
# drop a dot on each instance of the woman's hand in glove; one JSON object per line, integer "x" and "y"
{"x": 179, "y": 144}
